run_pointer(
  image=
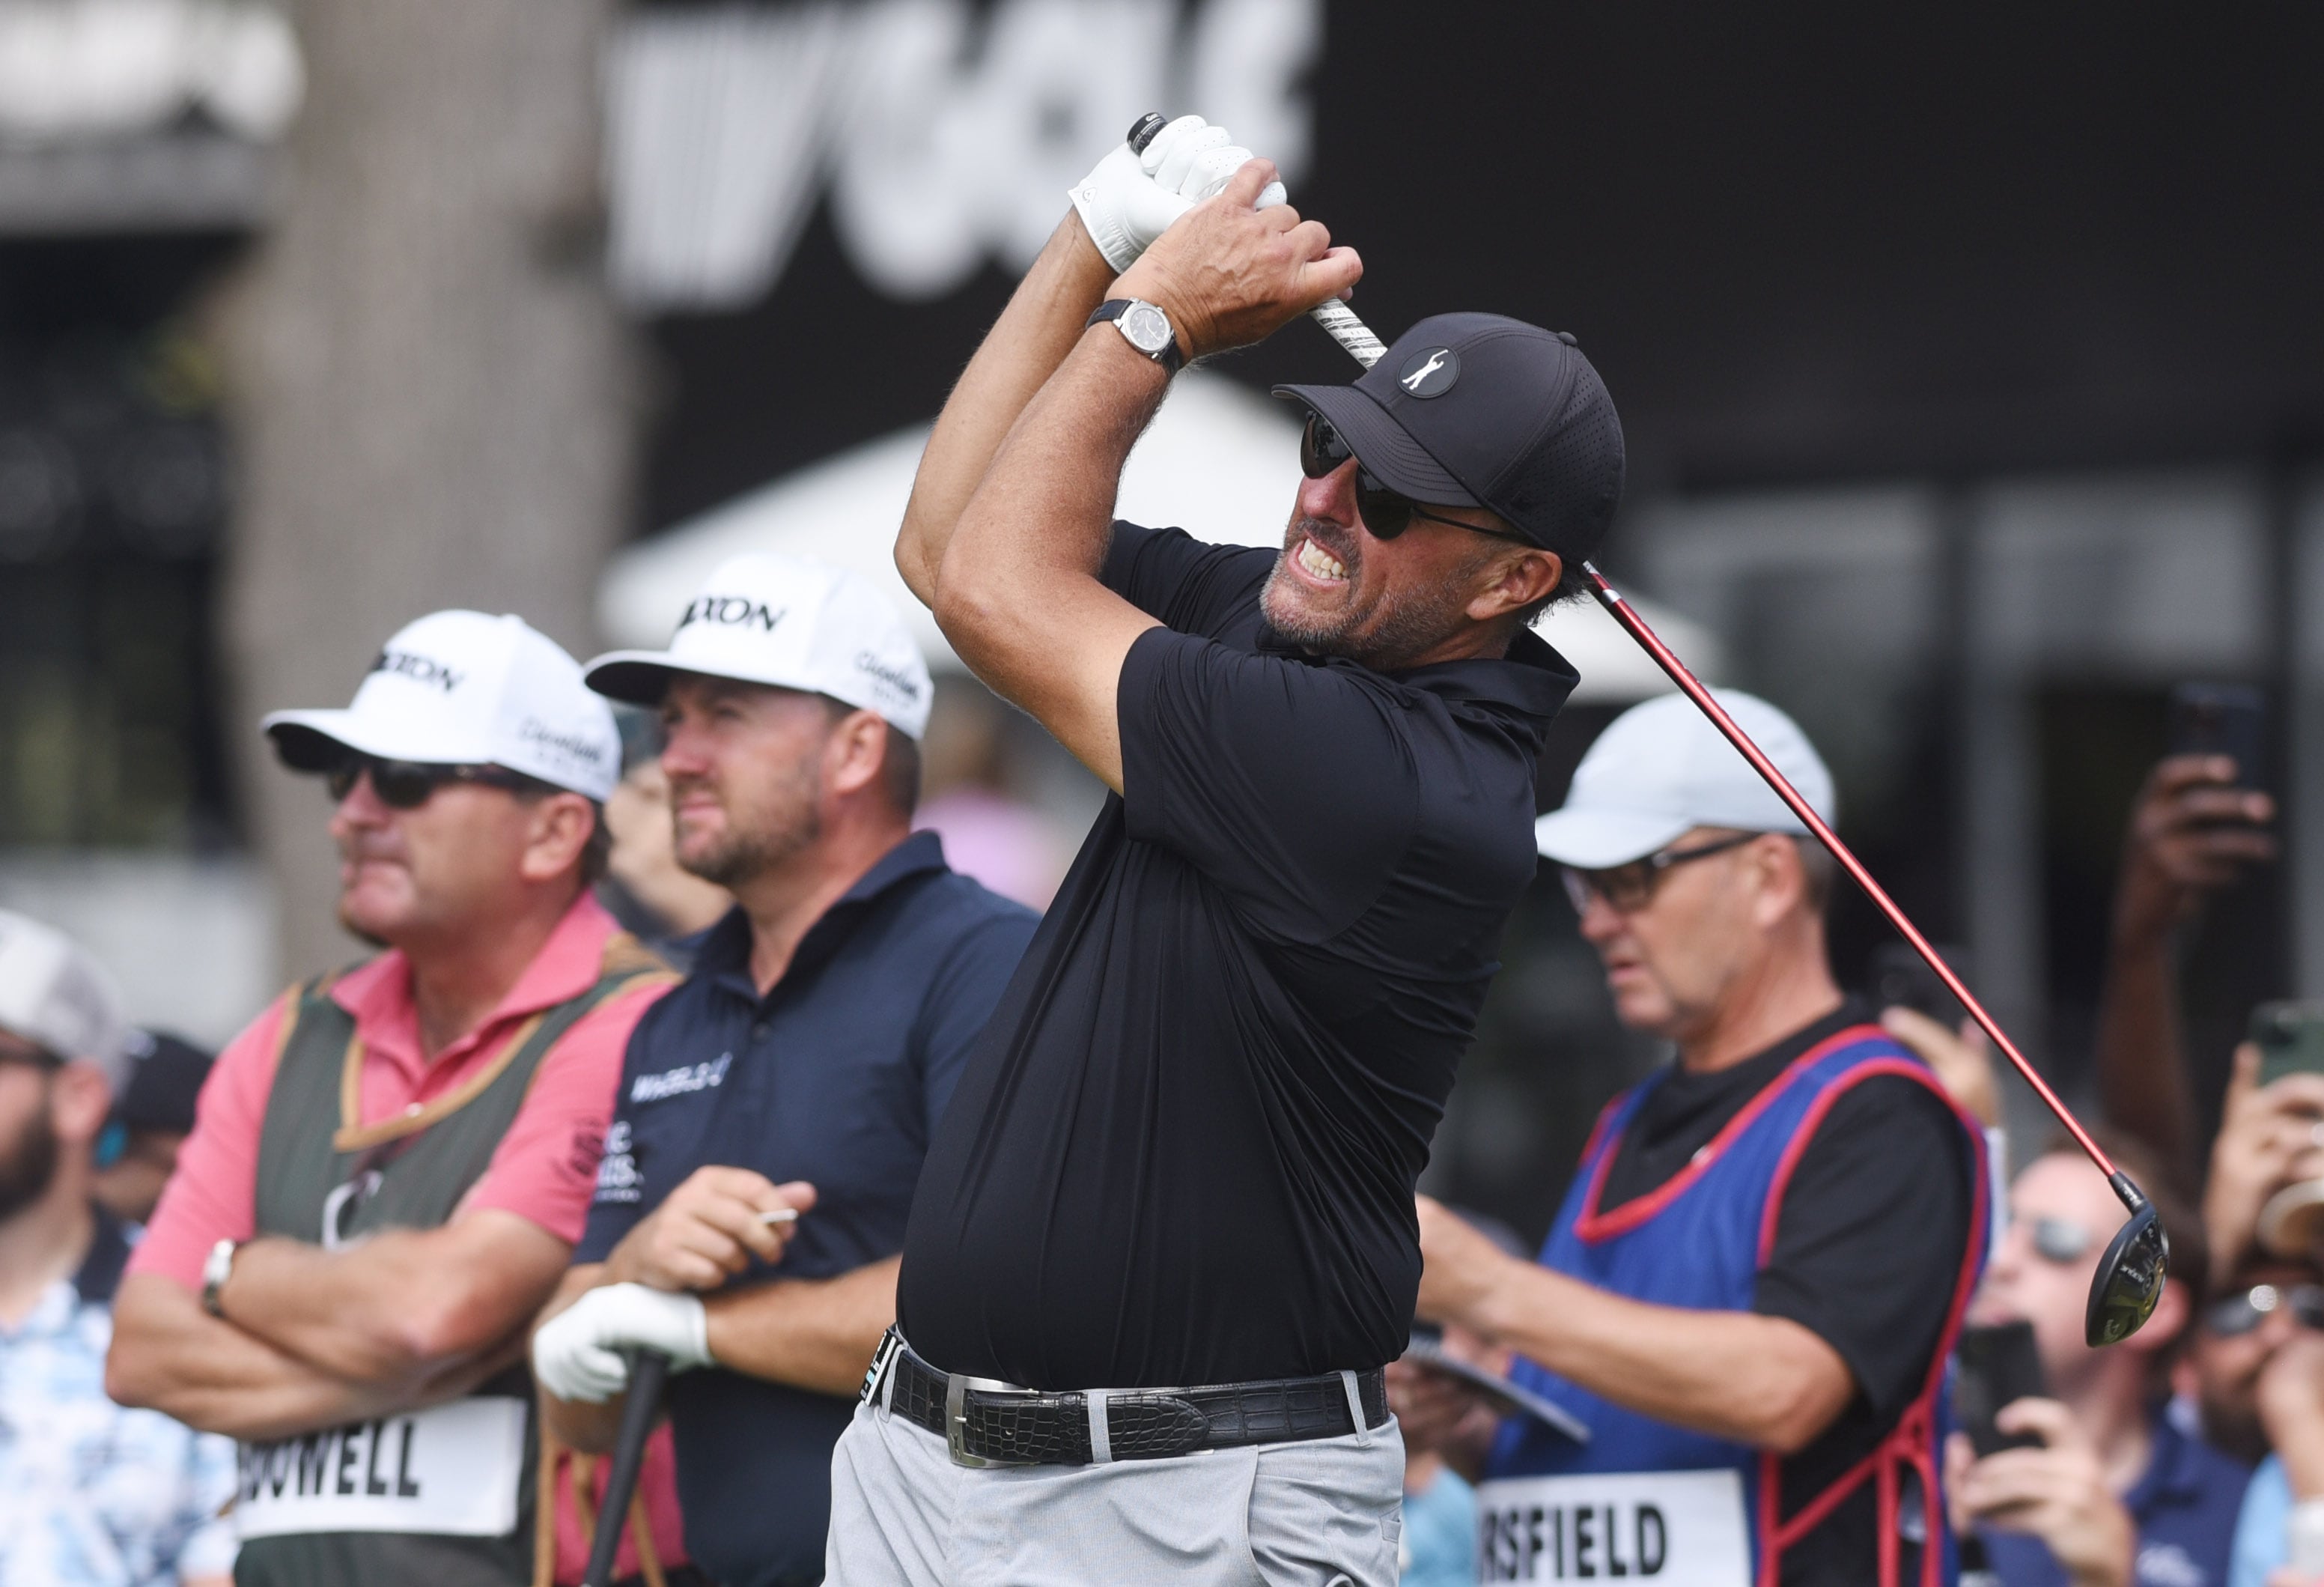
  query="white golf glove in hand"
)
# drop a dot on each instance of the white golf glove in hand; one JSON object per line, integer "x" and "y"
{"x": 1131, "y": 197}
{"x": 576, "y": 1354}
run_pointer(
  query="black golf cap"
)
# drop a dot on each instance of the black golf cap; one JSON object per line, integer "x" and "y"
{"x": 1483, "y": 410}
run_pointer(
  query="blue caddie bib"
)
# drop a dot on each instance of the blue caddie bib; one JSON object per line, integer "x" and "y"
{"x": 1664, "y": 1504}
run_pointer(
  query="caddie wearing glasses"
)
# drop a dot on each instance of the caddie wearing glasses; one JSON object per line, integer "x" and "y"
{"x": 1750, "y": 1292}
{"x": 390, "y": 1164}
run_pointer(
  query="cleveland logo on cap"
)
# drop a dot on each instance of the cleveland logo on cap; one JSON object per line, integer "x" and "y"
{"x": 733, "y": 611}
{"x": 419, "y": 669}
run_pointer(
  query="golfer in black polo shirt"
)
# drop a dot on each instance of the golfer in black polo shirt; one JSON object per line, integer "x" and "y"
{"x": 798, "y": 1071}
{"x": 1184, "y": 1152}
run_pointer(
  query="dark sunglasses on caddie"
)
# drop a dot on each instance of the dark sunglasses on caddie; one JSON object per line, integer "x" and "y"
{"x": 406, "y": 785}
{"x": 2233, "y": 1315}
{"x": 1627, "y": 889}
{"x": 1387, "y": 513}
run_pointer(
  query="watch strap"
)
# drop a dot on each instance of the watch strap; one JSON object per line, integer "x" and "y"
{"x": 215, "y": 1268}
{"x": 1172, "y": 358}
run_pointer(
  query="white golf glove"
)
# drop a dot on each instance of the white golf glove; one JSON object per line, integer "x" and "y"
{"x": 576, "y": 1354}
{"x": 1131, "y": 197}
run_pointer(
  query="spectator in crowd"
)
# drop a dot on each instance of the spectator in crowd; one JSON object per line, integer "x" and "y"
{"x": 150, "y": 1120}
{"x": 1750, "y": 1290}
{"x": 92, "y": 1494}
{"x": 2115, "y": 1491}
{"x": 800, "y": 1069}
{"x": 666, "y": 905}
{"x": 392, "y": 1163}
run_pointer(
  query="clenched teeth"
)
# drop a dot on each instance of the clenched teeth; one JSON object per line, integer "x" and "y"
{"x": 1319, "y": 562}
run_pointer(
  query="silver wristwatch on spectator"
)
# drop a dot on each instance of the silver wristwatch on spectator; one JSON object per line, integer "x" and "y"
{"x": 216, "y": 1267}
{"x": 1144, "y": 327}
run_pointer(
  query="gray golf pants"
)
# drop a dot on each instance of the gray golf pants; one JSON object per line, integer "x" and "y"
{"x": 1314, "y": 1514}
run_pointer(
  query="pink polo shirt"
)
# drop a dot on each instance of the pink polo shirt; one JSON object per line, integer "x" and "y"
{"x": 545, "y": 1167}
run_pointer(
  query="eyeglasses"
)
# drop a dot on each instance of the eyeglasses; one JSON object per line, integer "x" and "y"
{"x": 2060, "y": 1241}
{"x": 2235, "y": 1314}
{"x": 1385, "y": 512}
{"x": 406, "y": 785}
{"x": 1627, "y": 889}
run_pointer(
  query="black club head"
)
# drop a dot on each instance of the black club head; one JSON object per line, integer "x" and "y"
{"x": 2131, "y": 1275}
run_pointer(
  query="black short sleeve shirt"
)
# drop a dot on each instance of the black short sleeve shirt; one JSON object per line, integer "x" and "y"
{"x": 1185, "y": 1150}
{"x": 836, "y": 1077}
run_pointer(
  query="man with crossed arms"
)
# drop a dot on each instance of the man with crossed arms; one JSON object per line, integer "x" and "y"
{"x": 389, "y": 1165}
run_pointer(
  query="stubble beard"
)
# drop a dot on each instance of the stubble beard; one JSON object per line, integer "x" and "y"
{"x": 30, "y": 1165}
{"x": 744, "y": 852}
{"x": 1397, "y": 626}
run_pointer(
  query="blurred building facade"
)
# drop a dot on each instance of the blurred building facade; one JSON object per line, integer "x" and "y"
{"x": 1971, "y": 361}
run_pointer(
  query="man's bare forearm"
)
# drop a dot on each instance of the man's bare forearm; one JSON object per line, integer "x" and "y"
{"x": 1764, "y": 1381}
{"x": 2144, "y": 1089}
{"x": 816, "y": 1333}
{"x": 170, "y": 1355}
{"x": 402, "y": 1306}
{"x": 1023, "y": 349}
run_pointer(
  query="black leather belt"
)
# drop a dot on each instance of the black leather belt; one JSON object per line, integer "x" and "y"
{"x": 990, "y": 1424}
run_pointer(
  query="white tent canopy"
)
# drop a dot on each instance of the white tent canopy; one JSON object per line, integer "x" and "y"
{"x": 1220, "y": 459}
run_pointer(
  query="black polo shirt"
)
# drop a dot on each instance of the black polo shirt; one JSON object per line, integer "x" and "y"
{"x": 836, "y": 1077}
{"x": 1185, "y": 1150}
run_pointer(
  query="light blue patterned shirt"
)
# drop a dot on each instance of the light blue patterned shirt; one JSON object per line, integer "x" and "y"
{"x": 93, "y": 1495}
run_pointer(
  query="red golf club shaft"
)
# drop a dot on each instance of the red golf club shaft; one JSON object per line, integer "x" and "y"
{"x": 1623, "y": 614}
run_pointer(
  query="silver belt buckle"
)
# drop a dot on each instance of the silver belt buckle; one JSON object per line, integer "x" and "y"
{"x": 956, "y": 1387}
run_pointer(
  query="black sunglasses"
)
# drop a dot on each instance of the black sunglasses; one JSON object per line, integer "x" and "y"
{"x": 1387, "y": 513}
{"x": 2235, "y": 1314}
{"x": 1627, "y": 889}
{"x": 406, "y": 785}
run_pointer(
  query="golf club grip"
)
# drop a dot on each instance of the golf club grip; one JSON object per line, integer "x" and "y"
{"x": 1334, "y": 317}
{"x": 649, "y": 1370}
{"x": 1350, "y": 332}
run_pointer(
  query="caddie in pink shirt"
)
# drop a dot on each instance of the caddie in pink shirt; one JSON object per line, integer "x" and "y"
{"x": 392, "y": 1164}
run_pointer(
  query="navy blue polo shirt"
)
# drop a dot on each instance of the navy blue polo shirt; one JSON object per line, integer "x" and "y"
{"x": 836, "y": 1077}
{"x": 2184, "y": 1506}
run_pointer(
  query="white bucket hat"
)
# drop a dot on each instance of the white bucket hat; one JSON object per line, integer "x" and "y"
{"x": 1661, "y": 768}
{"x": 52, "y": 993}
{"x": 790, "y": 623}
{"x": 462, "y": 688}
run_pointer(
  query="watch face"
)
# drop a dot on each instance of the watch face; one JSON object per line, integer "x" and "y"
{"x": 1147, "y": 328}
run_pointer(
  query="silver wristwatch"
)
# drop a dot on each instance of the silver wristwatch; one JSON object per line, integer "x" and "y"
{"x": 215, "y": 1268}
{"x": 1144, "y": 327}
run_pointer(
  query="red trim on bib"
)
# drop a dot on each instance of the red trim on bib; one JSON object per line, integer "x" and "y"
{"x": 1591, "y": 1226}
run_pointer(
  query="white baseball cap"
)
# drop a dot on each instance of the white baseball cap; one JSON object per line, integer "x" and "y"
{"x": 791, "y": 624}
{"x": 462, "y": 688}
{"x": 1661, "y": 768}
{"x": 52, "y": 992}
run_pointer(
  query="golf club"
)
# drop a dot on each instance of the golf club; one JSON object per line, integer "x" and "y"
{"x": 2131, "y": 1274}
{"x": 649, "y": 1371}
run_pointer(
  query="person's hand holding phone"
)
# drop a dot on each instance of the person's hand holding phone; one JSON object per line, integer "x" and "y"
{"x": 2056, "y": 1491}
{"x": 2269, "y": 1137}
{"x": 2193, "y": 830}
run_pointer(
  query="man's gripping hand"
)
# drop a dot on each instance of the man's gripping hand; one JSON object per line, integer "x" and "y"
{"x": 1133, "y": 195}
{"x": 708, "y": 1230}
{"x": 1229, "y": 273}
{"x": 577, "y": 1354}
